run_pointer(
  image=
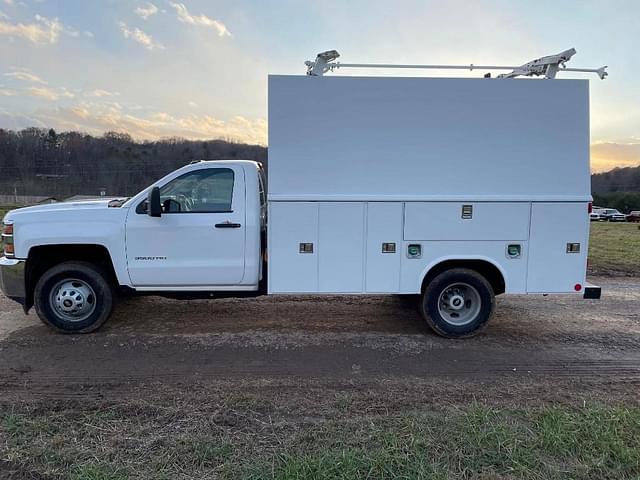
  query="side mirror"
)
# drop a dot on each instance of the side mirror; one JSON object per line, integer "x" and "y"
{"x": 154, "y": 208}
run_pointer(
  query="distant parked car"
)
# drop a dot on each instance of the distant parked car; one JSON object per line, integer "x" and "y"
{"x": 613, "y": 215}
{"x": 634, "y": 216}
{"x": 596, "y": 215}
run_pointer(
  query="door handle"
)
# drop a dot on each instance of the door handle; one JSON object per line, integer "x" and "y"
{"x": 228, "y": 225}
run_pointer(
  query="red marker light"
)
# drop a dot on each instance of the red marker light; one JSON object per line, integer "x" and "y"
{"x": 577, "y": 287}
{"x": 590, "y": 207}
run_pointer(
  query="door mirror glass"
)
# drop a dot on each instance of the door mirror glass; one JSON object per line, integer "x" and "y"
{"x": 154, "y": 207}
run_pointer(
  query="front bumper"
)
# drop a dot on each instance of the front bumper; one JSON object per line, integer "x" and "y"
{"x": 12, "y": 279}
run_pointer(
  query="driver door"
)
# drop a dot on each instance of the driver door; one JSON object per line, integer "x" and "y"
{"x": 199, "y": 241}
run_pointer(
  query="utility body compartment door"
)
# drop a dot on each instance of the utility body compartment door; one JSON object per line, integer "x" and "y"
{"x": 292, "y": 269}
{"x": 477, "y": 221}
{"x": 552, "y": 268}
{"x": 316, "y": 247}
{"x": 199, "y": 241}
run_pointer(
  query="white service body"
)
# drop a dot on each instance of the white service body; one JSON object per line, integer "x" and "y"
{"x": 355, "y": 162}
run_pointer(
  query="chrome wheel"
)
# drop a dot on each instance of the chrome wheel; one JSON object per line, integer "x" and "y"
{"x": 459, "y": 304}
{"x": 73, "y": 300}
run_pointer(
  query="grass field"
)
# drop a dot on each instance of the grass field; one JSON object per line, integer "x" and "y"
{"x": 614, "y": 248}
{"x": 477, "y": 442}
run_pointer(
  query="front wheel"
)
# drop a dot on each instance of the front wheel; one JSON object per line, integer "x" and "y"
{"x": 73, "y": 297}
{"x": 458, "y": 303}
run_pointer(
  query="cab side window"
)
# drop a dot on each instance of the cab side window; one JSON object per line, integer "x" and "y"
{"x": 208, "y": 190}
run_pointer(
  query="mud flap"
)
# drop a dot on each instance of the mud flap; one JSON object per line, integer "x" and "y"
{"x": 592, "y": 292}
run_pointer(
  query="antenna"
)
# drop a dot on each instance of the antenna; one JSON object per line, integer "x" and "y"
{"x": 548, "y": 66}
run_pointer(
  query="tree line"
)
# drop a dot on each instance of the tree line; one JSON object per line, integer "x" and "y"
{"x": 37, "y": 161}
{"x": 618, "y": 188}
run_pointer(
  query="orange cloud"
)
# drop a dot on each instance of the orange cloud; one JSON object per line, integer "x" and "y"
{"x": 608, "y": 155}
{"x": 98, "y": 118}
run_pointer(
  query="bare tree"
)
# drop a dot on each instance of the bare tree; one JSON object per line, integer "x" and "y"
{"x": 37, "y": 161}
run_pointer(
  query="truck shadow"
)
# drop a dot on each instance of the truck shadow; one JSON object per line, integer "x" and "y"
{"x": 336, "y": 313}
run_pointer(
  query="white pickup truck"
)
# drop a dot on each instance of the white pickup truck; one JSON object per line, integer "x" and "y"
{"x": 454, "y": 189}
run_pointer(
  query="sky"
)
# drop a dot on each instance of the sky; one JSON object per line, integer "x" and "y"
{"x": 198, "y": 68}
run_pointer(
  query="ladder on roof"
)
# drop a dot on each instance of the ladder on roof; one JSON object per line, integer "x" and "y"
{"x": 548, "y": 66}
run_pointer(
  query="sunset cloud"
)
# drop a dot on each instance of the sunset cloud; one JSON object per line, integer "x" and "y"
{"x": 25, "y": 76}
{"x": 147, "y": 11}
{"x": 49, "y": 94}
{"x": 607, "y": 155}
{"x": 43, "y": 31}
{"x": 98, "y": 118}
{"x": 139, "y": 36}
{"x": 101, "y": 93}
{"x": 201, "y": 20}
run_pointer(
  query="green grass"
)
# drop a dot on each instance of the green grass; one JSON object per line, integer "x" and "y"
{"x": 475, "y": 442}
{"x": 97, "y": 471}
{"x": 614, "y": 247}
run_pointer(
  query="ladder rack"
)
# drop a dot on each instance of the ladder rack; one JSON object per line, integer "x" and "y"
{"x": 547, "y": 66}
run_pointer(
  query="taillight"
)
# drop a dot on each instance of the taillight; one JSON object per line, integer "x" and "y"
{"x": 590, "y": 207}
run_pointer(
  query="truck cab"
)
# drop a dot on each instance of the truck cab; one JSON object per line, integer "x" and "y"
{"x": 207, "y": 233}
{"x": 204, "y": 236}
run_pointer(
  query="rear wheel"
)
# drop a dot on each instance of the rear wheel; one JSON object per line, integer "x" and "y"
{"x": 73, "y": 297}
{"x": 458, "y": 303}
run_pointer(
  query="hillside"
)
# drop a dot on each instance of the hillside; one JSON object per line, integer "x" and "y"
{"x": 618, "y": 188}
{"x": 617, "y": 180}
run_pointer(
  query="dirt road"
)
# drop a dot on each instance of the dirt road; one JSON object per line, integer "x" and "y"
{"x": 555, "y": 340}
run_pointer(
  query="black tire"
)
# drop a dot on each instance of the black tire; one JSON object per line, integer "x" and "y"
{"x": 462, "y": 282}
{"x": 94, "y": 294}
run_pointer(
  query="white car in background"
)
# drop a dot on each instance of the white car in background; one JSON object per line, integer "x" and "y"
{"x": 596, "y": 214}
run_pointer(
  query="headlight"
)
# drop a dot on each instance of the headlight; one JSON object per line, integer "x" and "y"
{"x": 7, "y": 240}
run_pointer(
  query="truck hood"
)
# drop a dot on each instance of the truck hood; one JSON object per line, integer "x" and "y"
{"x": 62, "y": 207}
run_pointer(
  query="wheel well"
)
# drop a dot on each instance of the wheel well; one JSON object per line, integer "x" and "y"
{"x": 44, "y": 257}
{"x": 484, "y": 268}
